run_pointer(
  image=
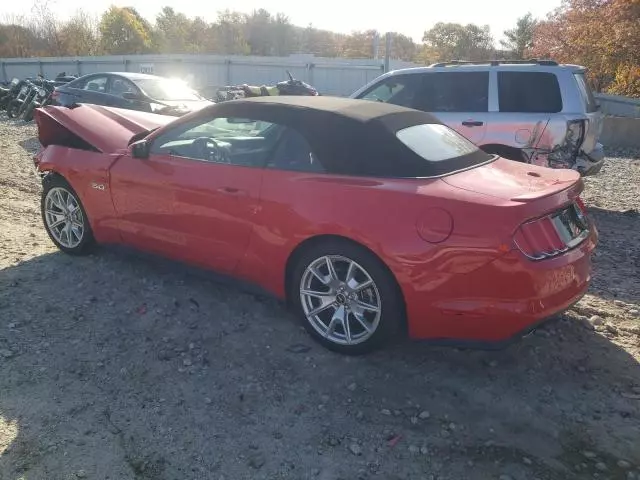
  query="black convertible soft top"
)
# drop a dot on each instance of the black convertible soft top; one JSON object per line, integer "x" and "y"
{"x": 351, "y": 137}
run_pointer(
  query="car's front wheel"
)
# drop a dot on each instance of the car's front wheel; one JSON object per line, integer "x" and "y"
{"x": 347, "y": 300}
{"x": 64, "y": 216}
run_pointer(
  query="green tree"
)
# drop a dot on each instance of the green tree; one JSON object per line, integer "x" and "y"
{"x": 283, "y": 35}
{"x": 122, "y": 31}
{"x": 402, "y": 47}
{"x": 78, "y": 36}
{"x": 361, "y": 44}
{"x": 322, "y": 43}
{"x": 453, "y": 41}
{"x": 173, "y": 31}
{"x": 520, "y": 39}
{"x": 229, "y": 34}
{"x": 259, "y": 32}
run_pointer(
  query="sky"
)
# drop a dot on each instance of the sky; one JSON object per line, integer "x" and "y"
{"x": 411, "y": 17}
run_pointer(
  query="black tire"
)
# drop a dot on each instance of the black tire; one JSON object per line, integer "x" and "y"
{"x": 27, "y": 116}
{"x": 392, "y": 312}
{"x": 13, "y": 108}
{"x": 87, "y": 241}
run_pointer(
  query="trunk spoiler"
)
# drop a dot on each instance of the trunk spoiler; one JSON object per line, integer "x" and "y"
{"x": 575, "y": 186}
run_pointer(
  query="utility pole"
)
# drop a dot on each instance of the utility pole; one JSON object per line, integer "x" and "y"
{"x": 376, "y": 45}
{"x": 387, "y": 51}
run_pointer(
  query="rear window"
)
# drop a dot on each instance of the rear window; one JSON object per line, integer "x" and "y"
{"x": 529, "y": 92}
{"x": 590, "y": 102}
{"x": 435, "y": 142}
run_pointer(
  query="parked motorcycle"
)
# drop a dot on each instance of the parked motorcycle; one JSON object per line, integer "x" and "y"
{"x": 15, "y": 105}
{"x": 288, "y": 87}
{"x": 36, "y": 88}
{"x": 40, "y": 98}
{"x": 7, "y": 92}
{"x": 14, "y": 89}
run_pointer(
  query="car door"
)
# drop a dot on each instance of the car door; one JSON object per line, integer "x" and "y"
{"x": 459, "y": 99}
{"x": 93, "y": 90}
{"x": 525, "y": 102}
{"x": 191, "y": 202}
{"x": 125, "y": 94}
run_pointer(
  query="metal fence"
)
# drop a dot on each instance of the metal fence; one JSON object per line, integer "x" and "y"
{"x": 331, "y": 76}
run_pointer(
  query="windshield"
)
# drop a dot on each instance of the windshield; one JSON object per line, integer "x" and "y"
{"x": 167, "y": 90}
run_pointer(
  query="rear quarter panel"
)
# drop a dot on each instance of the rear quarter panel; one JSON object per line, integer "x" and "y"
{"x": 88, "y": 174}
{"x": 381, "y": 215}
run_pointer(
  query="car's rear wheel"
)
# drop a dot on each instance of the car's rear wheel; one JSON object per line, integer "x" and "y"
{"x": 12, "y": 108}
{"x": 346, "y": 298}
{"x": 64, "y": 217}
{"x": 27, "y": 116}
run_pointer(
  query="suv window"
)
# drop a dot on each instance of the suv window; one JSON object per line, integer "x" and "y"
{"x": 96, "y": 84}
{"x": 590, "y": 102}
{"x": 399, "y": 90}
{"x": 454, "y": 92}
{"x": 529, "y": 92}
{"x": 120, "y": 86}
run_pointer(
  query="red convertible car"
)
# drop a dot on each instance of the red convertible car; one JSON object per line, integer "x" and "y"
{"x": 370, "y": 219}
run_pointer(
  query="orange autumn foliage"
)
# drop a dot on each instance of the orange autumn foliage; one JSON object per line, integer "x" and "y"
{"x": 602, "y": 35}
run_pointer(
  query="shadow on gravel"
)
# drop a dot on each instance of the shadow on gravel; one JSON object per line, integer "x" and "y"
{"x": 617, "y": 261}
{"x": 114, "y": 366}
{"x": 31, "y": 145}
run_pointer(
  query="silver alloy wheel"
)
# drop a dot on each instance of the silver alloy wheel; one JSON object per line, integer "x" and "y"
{"x": 340, "y": 300}
{"x": 63, "y": 217}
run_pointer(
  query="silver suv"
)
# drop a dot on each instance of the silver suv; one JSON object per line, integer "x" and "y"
{"x": 533, "y": 111}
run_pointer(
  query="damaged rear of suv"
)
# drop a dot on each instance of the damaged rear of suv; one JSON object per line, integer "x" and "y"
{"x": 533, "y": 111}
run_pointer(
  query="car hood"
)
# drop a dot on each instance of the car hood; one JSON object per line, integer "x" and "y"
{"x": 514, "y": 181}
{"x": 107, "y": 129}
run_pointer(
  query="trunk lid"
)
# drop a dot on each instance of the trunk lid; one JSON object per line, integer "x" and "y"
{"x": 107, "y": 129}
{"x": 514, "y": 181}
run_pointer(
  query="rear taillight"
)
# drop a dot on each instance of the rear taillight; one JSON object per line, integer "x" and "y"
{"x": 581, "y": 205}
{"x": 553, "y": 234}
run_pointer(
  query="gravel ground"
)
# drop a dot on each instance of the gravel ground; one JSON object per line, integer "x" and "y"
{"x": 117, "y": 367}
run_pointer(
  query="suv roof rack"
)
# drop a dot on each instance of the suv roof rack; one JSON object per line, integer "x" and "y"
{"x": 495, "y": 63}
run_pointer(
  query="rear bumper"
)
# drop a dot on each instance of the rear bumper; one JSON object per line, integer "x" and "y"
{"x": 591, "y": 163}
{"x": 503, "y": 300}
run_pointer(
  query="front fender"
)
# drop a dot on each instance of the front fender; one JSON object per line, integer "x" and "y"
{"x": 88, "y": 174}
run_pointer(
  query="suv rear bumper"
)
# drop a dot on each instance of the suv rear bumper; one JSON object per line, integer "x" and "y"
{"x": 591, "y": 163}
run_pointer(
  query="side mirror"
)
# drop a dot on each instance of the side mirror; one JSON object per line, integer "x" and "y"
{"x": 140, "y": 149}
{"x": 130, "y": 96}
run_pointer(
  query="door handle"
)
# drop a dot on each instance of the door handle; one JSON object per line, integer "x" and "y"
{"x": 472, "y": 123}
